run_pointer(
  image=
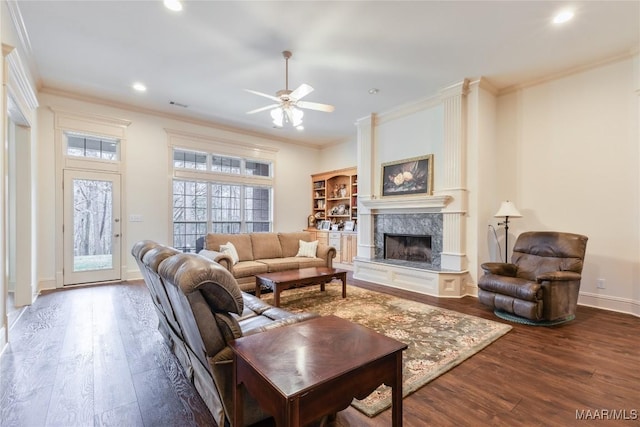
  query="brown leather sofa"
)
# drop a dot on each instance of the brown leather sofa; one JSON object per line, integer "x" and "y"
{"x": 200, "y": 310}
{"x": 265, "y": 253}
{"x": 542, "y": 281}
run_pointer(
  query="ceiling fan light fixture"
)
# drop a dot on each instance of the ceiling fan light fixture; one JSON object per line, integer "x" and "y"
{"x": 278, "y": 116}
{"x": 288, "y": 104}
{"x": 297, "y": 115}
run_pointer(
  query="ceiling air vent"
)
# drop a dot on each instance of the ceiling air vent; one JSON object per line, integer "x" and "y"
{"x": 177, "y": 104}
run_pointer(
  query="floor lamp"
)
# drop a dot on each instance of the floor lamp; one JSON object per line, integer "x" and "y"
{"x": 507, "y": 210}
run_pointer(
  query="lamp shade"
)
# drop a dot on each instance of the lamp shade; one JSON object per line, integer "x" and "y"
{"x": 507, "y": 209}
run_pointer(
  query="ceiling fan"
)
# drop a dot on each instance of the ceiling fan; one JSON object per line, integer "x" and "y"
{"x": 288, "y": 104}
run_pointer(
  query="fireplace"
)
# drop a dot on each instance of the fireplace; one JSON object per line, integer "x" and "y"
{"x": 427, "y": 225}
{"x": 407, "y": 247}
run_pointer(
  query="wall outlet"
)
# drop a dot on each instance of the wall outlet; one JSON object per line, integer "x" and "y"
{"x": 600, "y": 283}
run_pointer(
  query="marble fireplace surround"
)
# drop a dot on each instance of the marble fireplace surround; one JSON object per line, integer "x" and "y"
{"x": 413, "y": 216}
{"x": 426, "y": 224}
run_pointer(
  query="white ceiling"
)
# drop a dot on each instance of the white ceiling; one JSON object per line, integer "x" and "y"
{"x": 207, "y": 54}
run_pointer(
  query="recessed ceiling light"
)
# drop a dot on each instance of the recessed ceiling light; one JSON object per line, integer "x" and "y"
{"x": 174, "y": 5}
{"x": 373, "y": 91}
{"x": 562, "y": 17}
{"x": 139, "y": 87}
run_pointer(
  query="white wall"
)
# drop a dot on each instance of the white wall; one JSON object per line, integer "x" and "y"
{"x": 338, "y": 156}
{"x": 566, "y": 151}
{"x": 570, "y": 162}
{"x": 147, "y": 177}
{"x": 413, "y": 135}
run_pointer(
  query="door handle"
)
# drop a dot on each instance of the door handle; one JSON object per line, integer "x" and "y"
{"x": 116, "y": 235}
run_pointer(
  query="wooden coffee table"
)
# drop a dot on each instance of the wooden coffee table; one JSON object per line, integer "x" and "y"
{"x": 301, "y": 372}
{"x": 283, "y": 280}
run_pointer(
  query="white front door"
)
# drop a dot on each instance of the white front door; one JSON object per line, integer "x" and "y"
{"x": 91, "y": 227}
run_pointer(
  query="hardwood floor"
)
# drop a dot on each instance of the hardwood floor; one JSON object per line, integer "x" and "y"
{"x": 93, "y": 356}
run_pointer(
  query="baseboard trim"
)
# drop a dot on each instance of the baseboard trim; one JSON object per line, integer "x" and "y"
{"x": 606, "y": 302}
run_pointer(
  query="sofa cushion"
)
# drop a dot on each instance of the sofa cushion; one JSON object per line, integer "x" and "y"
{"x": 281, "y": 264}
{"x": 242, "y": 243}
{"x": 307, "y": 249}
{"x": 265, "y": 245}
{"x": 311, "y": 262}
{"x": 290, "y": 242}
{"x": 249, "y": 268}
{"x": 230, "y": 250}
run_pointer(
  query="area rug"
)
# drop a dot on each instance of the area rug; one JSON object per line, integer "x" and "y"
{"x": 438, "y": 339}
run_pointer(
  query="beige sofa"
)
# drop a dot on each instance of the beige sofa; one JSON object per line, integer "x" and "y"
{"x": 264, "y": 253}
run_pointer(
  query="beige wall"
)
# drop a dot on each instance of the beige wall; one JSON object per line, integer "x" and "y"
{"x": 569, "y": 159}
{"x": 147, "y": 176}
{"x": 338, "y": 156}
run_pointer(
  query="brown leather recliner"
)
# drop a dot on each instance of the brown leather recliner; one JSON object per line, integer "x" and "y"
{"x": 542, "y": 281}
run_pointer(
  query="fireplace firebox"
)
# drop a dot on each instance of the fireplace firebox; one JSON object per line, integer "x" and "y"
{"x": 407, "y": 247}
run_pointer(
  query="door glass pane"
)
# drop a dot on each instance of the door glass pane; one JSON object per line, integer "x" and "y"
{"x": 92, "y": 224}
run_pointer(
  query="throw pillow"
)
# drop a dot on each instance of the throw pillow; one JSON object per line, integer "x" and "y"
{"x": 230, "y": 250}
{"x": 209, "y": 254}
{"x": 308, "y": 249}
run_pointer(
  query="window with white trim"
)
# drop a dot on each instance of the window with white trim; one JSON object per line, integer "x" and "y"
{"x": 92, "y": 147}
{"x": 219, "y": 194}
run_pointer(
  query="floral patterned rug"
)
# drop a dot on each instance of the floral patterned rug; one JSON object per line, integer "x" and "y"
{"x": 438, "y": 339}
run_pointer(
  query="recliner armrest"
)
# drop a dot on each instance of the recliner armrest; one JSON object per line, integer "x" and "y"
{"x": 558, "y": 276}
{"x": 500, "y": 268}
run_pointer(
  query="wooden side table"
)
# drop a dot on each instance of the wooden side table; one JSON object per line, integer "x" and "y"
{"x": 301, "y": 372}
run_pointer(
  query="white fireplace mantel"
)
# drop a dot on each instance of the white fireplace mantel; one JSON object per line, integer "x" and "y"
{"x": 413, "y": 204}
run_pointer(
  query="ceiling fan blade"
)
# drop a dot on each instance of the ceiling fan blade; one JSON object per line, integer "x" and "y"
{"x": 289, "y": 114}
{"x": 271, "y": 97}
{"x": 302, "y": 91}
{"x": 268, "y": 107}
{"x": 315, "y": 106}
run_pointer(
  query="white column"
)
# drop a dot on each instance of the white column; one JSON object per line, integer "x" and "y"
{"x": 454, "y": 100}
{"x": 366, "y": 175}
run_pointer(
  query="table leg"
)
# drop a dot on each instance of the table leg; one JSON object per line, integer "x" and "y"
{"x": 343, "y": 278}
{"x": 237, "y": 395}
{"x": 258, "y": 287}
{"x": 396, "y": 393}
{"x": 276, "y": 295}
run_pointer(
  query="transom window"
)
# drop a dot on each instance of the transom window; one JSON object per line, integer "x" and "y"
{"x": 219, "y": 194}
{"x": 187, "y": 159}
{"x": 92, "y": 147}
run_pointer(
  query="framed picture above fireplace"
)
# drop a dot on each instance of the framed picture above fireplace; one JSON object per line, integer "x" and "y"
{"x": 410, "y": 176}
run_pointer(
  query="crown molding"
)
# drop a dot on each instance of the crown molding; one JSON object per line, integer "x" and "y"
{"x": 182, "y": 118}
{"x": 407, "y": 109}
{"x": 23, "y": 36}
{"x": 565, "y": 73}
{"x": 19, "y": 82}
{"x": 173, "y": 133}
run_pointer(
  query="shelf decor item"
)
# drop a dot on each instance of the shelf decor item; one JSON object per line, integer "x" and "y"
{"x": 410, "y": 176}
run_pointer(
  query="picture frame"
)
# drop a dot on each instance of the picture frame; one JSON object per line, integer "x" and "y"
{"x": 349, "y": 226}
{"x": 325, "y": 225}
{"x": 408, "y": 177}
